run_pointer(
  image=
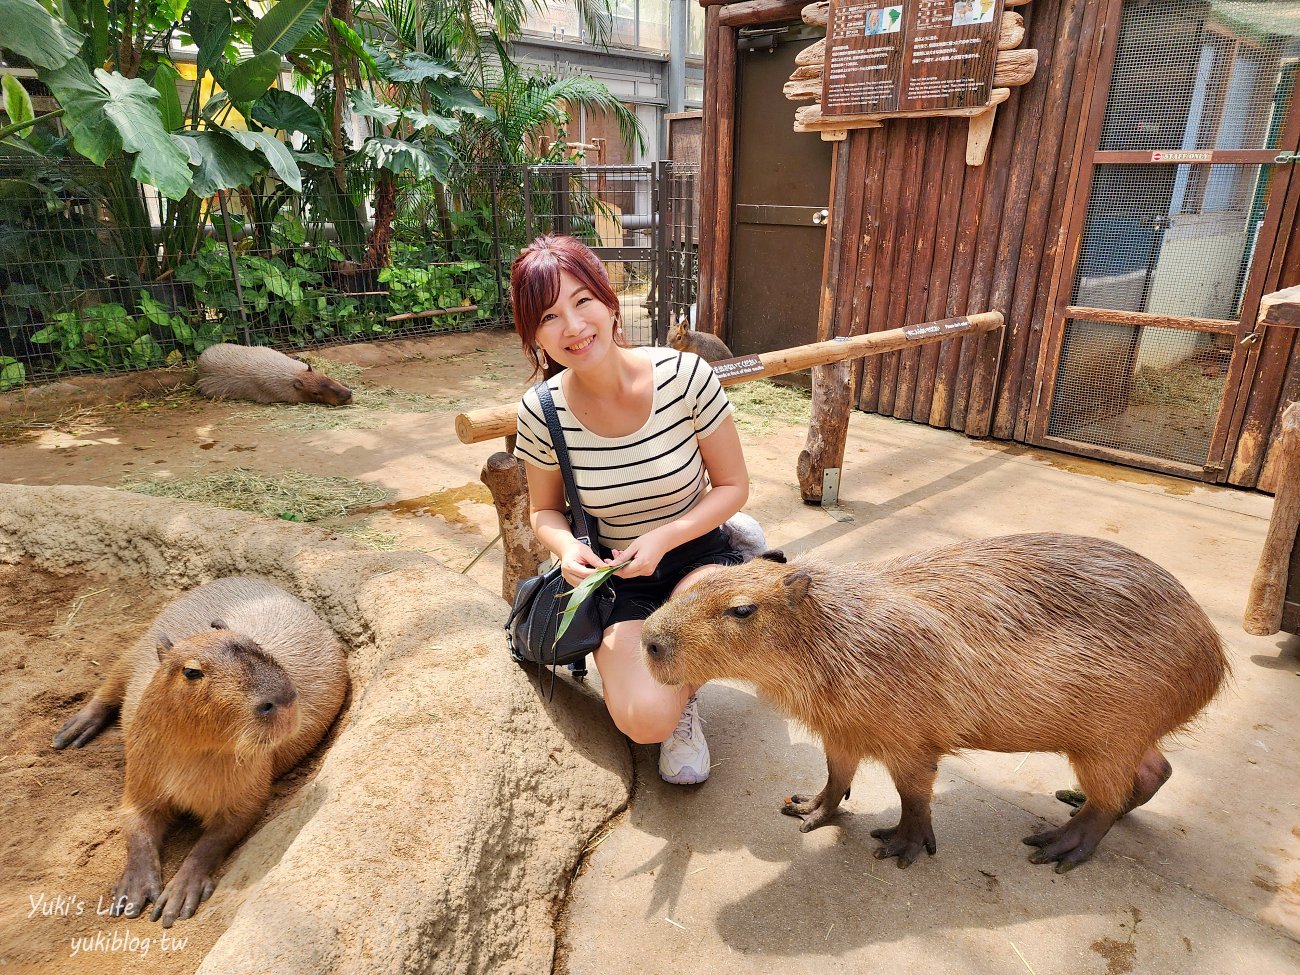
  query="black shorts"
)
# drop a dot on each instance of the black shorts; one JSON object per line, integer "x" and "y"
{"x": 636, "y": 599}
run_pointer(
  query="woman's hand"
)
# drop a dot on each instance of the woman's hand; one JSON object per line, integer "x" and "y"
{"x": 578, "y": 561}
{"x": 643, "y": 555}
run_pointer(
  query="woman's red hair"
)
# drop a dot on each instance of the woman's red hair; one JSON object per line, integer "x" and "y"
{"x": 535, "y": 287}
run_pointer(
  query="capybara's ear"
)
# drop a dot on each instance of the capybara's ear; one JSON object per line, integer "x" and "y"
{"x": 796, "y": 587}
{"x": 219, "y": 625}
{"x": 774, "y": 555}
{"x": 164, "y": 644}
{"x": 307, "y": 364}
{"x": 297, "y": 384}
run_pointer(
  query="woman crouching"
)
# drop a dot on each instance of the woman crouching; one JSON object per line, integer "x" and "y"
{"x": 658, "y": 467}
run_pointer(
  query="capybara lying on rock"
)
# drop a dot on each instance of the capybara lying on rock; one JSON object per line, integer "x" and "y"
{"x": 230, "y": 687}
{"x": 1044, "y": 642}
{"x": 265, "y": 376}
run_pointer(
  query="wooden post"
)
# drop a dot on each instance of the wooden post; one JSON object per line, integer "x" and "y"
{"x": 828, "y": 431}
{"x": 1267, "y": 603}
{"x": 505, "y": 477}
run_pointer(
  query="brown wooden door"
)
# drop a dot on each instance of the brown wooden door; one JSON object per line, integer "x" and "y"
{"x": 1151, "y": 338}
{"x": 782, "y": 190}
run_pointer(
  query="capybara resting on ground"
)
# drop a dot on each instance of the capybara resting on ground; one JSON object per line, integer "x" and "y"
{"x": 265, "y": 376}
{"x": 1046, "y": 642}
{"x": 230, "y": 687}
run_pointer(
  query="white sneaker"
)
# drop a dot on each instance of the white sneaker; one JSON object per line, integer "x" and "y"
{"x": 684, "y": 757}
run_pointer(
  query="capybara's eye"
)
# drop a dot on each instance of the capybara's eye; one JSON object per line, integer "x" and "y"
{"x": 191, "y": 673}
{"x": 742, "y": 612}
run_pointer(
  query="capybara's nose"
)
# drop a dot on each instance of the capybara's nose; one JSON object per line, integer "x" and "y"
{"x": 653, "y": 649}
{"x": 265, "y": 708}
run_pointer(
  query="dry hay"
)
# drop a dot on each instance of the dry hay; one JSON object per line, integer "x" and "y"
{"x": 291, "y": 495}
{"x": 361, "y": 532}
{"x": 371, "y": 407}
{"x": 760, "y": 404}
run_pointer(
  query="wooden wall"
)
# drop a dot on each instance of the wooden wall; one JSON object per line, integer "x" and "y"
{"x": 923, "y": 236}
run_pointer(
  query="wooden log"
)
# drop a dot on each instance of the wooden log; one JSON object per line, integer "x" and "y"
{"x": 1269, "y": 586}
{"x": 1015, "y": 68}
{"x": 805, "y": 71}
{"x": 809, "y": 118}
{"x": 749, "y": 12}
{"x": 814, "y": 53}
{"x": 828, "y": 430}
{"x": 1012, "y": 31}
{"x": 499, "y": 421}
{"x": 804, "y": 90}
{"x": 431, "y": 313}
{"x": 506, "y": 478}
{"x": 1009, "y": 3}
{"x": 1281, "y": 308}
{"x": 979, "y": 134}
{"x": 834, "y": 135}
{"x": 818, "y": 14}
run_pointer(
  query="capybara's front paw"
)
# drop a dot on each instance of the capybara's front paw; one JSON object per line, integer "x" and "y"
{"x": 801, "y": 805}
{"x": 134, "y": 890}
{"x": 905, "y": 841}
{"x": 184, "y": 893}
{"x": 84, "y": 725}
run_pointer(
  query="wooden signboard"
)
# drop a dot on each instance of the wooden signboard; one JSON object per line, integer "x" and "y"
{"x": 927, "y": 56}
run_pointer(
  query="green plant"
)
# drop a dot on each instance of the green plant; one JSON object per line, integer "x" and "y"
{"x": 441, "y": 286}
{"x": 100, "y": 338}
{"x": 12, "y": 372}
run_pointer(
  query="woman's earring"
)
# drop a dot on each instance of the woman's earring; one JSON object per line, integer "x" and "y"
{"x": 541, "y": 357}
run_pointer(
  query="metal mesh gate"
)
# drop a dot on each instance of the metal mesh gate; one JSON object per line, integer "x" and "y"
{"x": 1178, "y": 197}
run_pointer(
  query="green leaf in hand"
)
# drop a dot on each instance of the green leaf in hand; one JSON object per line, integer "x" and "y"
{"x": 580, "y": 593}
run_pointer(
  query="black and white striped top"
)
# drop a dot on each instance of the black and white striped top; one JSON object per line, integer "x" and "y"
{"x": 648, "y": 478}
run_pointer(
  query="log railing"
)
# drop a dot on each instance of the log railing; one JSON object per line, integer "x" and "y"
{"x": 819, "y": 462}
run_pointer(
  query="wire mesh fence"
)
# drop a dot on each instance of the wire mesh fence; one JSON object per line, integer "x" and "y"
{"x": 100, "y": 274}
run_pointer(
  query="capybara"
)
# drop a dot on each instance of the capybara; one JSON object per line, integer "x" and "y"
{"x": 1044, "y": 642}
{"x": 708, "y": 347}
{"x": 264, "y": 375}
{"x": 230, "y": 687}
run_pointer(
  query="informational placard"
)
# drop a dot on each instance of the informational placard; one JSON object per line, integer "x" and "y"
{"x": 913, "y": 56}
{"x": 948, "y": 326}
{"x": 745, "y": 365}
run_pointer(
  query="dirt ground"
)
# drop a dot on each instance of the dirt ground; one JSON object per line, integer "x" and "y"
{"x": 59, "y": 634}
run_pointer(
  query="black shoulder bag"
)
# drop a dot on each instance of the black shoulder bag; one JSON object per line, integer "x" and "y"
{"x": 530, "y": 629}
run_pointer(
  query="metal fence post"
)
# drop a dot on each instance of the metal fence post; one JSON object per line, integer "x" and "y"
{"x": 658, "y": 221}
{"x": 496, "y": 243}
{"x": 234, "y": 266}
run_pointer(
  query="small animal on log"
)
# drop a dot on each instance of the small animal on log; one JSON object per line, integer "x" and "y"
{"x": 231, "y": 685}
{"x": 1023, "y": 643}
{"x": 708, "y": 347}
{"x": 263, "y": 375}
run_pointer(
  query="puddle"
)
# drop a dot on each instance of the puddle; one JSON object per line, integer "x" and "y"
{"x": 1114, "y": 473}
{"x": 444, "y": 504}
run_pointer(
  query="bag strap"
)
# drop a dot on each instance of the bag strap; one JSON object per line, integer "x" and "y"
{"x": 582, "y": 532}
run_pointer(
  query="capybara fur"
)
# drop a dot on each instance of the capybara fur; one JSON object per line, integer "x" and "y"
{"x": 264, "y": 375}
{"x": 230, "y": 687}
{"x": 1022, "y": 643}
{"x": 708, "y": 347}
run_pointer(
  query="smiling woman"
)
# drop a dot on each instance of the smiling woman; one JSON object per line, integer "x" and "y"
{"x": 657, "y": 465}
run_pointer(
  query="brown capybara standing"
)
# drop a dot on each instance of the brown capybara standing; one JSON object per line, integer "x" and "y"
{"x": 264, "y": 375}
{"x": 230, "y": 687}
{"x": 708, "y": 347}
{"x": 1045, "y": 642}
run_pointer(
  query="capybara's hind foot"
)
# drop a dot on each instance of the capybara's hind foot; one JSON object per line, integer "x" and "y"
{"x": 84, "y": 725}
{"x": 813, "y": 810}
{"x": 1069, "y": 845}
{"x": 905, "y": 841}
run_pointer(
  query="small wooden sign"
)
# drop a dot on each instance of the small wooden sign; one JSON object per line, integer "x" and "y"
{"x": 909, "y": 56}
{"x": 733, "y": 368}
{"x": 948, "y": 326}
{"x": 1183, "y": 156}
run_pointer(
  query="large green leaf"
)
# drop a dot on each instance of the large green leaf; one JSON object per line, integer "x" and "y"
{"x": 289, "y": 112}
{"x": 109, "y": 113}
{"x": 364, "y": 103}
{"x": 169, "y": 101}
{"x": 222, "y": 162}
{"x": 415, "y": 68}
{"x": 209, "y": 25}
{"x": 352, "y": 40}
{"x": 17, "y": 103}
{"x": 30, "y": 30}
{"x": 285, "y": 24}
{"x": 461, "y": 99}
{"x": 249, "y": 80}
{"x": 401, "y": 157}
{"x": 275, "y": 153}
{"x": 440, "y": 123}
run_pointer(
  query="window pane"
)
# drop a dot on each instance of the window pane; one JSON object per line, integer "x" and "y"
{"x": 554, "y": 17}
{"x": 654, "y": 24}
